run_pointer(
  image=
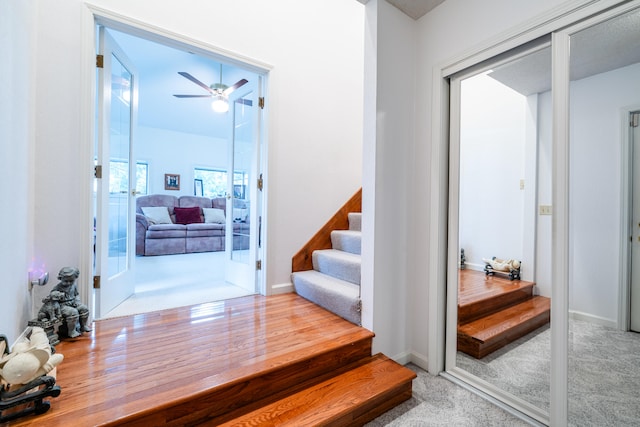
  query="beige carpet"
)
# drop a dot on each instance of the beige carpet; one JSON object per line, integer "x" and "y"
{"x": 170, "y": 281}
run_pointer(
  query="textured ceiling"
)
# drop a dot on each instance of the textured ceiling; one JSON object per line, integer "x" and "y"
{"x": 604, "y": 47}
{"x": 415, "y": 8}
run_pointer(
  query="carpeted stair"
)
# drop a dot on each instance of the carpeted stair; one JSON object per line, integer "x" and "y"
{"x": 334, "y": 282}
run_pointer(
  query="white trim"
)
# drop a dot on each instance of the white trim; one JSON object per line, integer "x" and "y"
{"x": 85, "y": 168}
{"x": 474, "y": 267}
{"x": 282, "y": 288}
{"x": 553, "y": 20}
{"x": 558, "y": 412}
{"x": 438, "y": 223}
{"x": 597, "y": 320}
{"x": 491, "y": 398}
{"x": 420, "y": 360}
{"x": 402, "y": 358}
{"x": 626, "y": 209}
{"x": 453, "y": 243}
{"x": 166, "y": 37}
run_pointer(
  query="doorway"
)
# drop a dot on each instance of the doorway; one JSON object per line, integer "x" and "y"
{"x": 175, "y": 141}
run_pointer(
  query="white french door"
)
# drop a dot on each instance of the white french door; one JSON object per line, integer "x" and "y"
{"x": 115, "y": 214}
{"x": 243, "y": 199}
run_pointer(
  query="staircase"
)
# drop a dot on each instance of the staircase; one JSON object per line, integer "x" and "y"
{"x": 494, "y": 311}
{"x": 334, "y": 282}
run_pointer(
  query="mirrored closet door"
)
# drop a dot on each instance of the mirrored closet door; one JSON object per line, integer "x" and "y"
{"x": 604, "y": 220}
{"x": 499, "y": 268}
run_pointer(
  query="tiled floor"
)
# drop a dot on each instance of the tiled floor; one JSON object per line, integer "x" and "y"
{"x": 177, "y": 280}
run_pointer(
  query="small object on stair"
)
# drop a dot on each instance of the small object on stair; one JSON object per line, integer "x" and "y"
{"x": 511, "y": 267}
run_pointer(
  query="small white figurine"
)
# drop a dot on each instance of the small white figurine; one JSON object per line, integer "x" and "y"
{"x": 28, "y": 359}
{"x": 502, "y": 265}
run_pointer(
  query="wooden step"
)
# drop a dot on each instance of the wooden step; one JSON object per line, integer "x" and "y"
{"x": 480, "y": 295}
{"x": 188, "y": 365}
{"x": 352, "y": 398}
{"x": 489, "y": 333}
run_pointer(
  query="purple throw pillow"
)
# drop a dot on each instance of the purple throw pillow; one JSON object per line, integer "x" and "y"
{"x": 187, "y": 215}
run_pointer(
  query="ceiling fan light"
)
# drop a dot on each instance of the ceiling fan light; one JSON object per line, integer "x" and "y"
{"x": 220, "y": 104}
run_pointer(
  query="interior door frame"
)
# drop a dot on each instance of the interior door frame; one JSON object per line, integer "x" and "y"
{"x": 626, "y": 217}
{"x": 562, "y": 17}
{"x": 93, "y": 15}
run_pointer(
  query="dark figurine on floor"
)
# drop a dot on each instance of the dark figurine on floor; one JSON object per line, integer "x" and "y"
{"x": 74, "y": 313}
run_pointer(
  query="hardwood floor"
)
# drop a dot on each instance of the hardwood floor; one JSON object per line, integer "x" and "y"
{"x": 494, "y": 311}
{"x": 214, "y": 362}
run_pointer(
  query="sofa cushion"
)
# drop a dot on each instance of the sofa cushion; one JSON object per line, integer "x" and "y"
{"x": 187, "y": 215}
{"x": 157, "y": 214}
{"x": 164, "y": 231}
{"x": 205, "y": 230}
{"x": 213, "y": 215}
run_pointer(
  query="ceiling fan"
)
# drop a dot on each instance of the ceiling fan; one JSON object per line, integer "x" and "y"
{"x": 218, "y": 91}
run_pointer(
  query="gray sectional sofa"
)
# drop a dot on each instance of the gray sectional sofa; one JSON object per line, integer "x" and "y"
{"x": 179, "y": 238}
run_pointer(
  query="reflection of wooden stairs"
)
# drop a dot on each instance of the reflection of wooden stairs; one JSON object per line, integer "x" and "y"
{"x": 494, "y": 311}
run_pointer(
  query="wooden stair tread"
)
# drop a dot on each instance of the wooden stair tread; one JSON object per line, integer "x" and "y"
{"x": 475, "y": 287}
{"x": 188, "y": 365}
{"x": 351, "y": 398}
{"x": 496, "y": 324}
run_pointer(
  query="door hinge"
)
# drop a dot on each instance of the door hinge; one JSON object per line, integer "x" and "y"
{"x": 99, "y": 61}
{"x": 635, "y": 118}
{"x": 259, "y": 265}
{"x": 96, "y": 282}
{"x": 261, "y": 102}
{"x": 97, "y": 171}
{"x": 260, "y": 183}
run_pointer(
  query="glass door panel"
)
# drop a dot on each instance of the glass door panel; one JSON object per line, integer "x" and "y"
{"x": 240, "y": 246}
{"x": 115, "y": 213}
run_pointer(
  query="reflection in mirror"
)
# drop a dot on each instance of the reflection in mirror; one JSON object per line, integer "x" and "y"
{"x": 604, "y": 195}
{"x": 504, "y": 172}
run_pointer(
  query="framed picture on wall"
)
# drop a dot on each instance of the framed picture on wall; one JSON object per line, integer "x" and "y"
{"x": 197, "y": 187}
{"x": 171, "y": 181}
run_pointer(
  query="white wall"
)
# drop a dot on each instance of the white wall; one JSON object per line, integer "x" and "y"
{"x": 492, "y": 156}
{"x": 390, "y": 51}
{"x": 172, "y": 152}
{"x": 17, "y": 22}
{"x": 314, "y": 107}
{"x": 597, "y": 105}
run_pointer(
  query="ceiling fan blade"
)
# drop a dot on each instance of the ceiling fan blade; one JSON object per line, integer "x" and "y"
{"x": 239, "y": 83}
{"x": 196, "y": 81}
{"x": 192, "y": 96}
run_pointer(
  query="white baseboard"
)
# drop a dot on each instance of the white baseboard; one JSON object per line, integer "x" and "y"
{"x": 402, "y": 358}
{"x": 475, "y": 267}
{"x": 420, "y": 360}
{"x": 578, "y": 315}
{"x": 282, "y": 288}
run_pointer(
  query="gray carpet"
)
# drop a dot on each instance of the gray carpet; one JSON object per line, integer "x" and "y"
{"x": 437, "y": 401}
{"x": 604, "y": 382}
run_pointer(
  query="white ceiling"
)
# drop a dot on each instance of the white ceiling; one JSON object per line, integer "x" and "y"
{"x": 157, "y": 67}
